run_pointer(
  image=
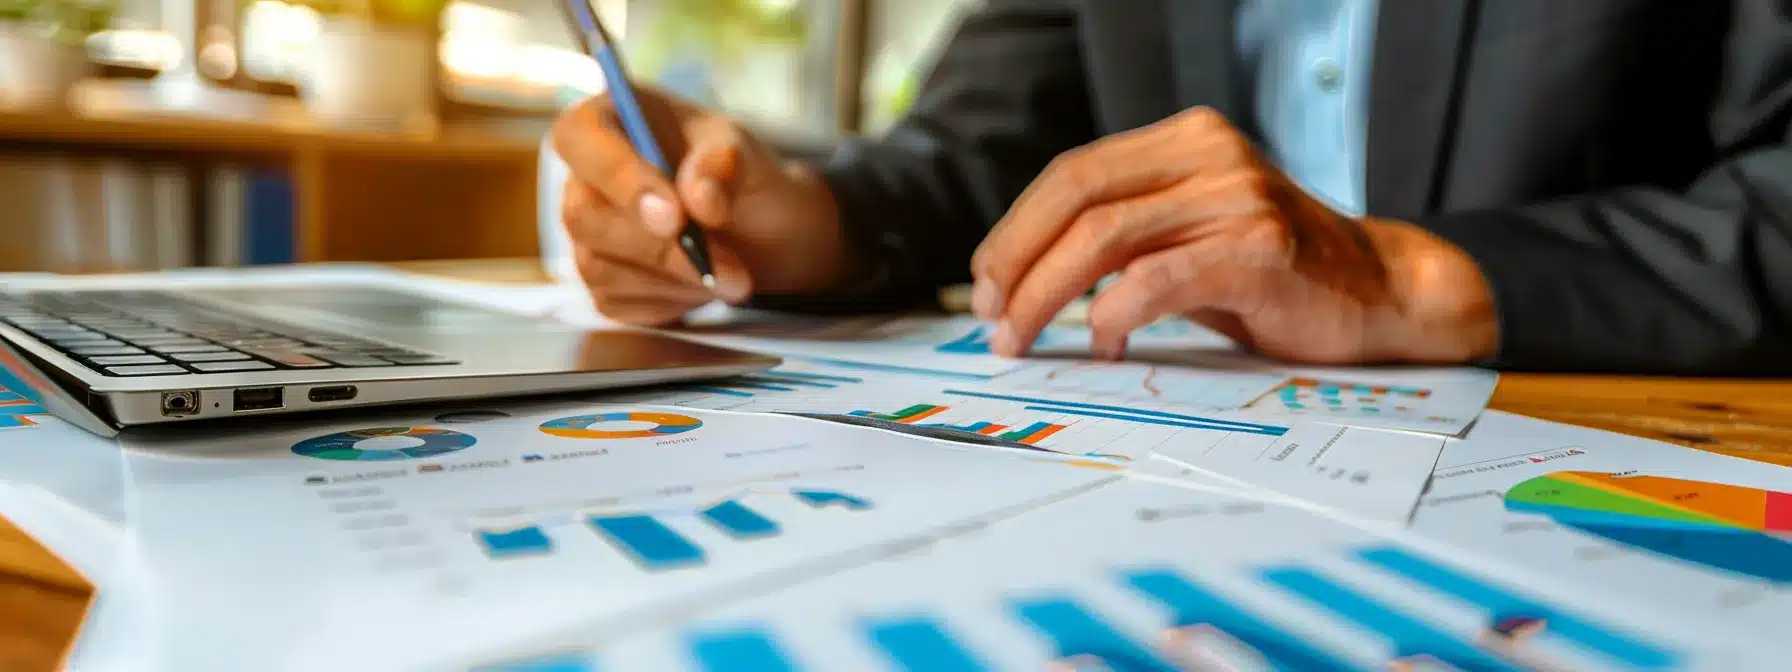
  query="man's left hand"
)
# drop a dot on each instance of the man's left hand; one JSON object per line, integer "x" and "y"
{"x": 1200, "y": 225}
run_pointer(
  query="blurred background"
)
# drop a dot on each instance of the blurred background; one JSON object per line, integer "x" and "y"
{"x": 151, "y": 134}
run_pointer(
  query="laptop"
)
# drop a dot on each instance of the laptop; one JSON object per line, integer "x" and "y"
{"x": 109, "y": 359}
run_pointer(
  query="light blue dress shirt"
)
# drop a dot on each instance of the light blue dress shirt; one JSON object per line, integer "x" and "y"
{"x": 1308, "y": 62}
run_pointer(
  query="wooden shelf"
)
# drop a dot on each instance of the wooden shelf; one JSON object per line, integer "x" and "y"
{"x": 464, "y": 190}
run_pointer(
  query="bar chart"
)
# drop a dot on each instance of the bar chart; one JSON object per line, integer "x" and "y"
{"x": 16, "y": 410}
{"x": 1198, "y": 617}
{"x": 653, "y": 539}
{"x": 776, "y": 380}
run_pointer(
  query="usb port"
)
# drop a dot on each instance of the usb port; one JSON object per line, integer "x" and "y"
{"x": 331, "y": 393}
{"x": 257, "y": 399}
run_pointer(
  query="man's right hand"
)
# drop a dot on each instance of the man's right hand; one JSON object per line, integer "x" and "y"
{"x": 772, "y": 224}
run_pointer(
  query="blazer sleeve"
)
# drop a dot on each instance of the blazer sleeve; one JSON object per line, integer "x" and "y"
{"x": 1006, "y": 95}
{"x": 1648, "y": 280}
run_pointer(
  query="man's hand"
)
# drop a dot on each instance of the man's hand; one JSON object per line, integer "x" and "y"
{"x": 1200, "y": 225}
{"x": 772, "y": 224}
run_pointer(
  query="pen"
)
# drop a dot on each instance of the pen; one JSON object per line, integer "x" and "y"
{"x": 591, "y": 35}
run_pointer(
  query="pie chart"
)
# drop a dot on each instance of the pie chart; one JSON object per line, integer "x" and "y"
{"x": 1732, "y": 528}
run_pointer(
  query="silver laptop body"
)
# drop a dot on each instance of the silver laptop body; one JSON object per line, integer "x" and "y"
{"x": 141, "y": 357}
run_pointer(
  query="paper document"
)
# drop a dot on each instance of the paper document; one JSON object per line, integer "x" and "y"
{"x": 1135, "y": 576}
{"x": 1063, "y": 422}
{"x": 1174, "y": 369}
{"x": 474, "y": 528}
{"x": 1674, "y": 534}
{"x": 959, "y": 344}
{"x": 1374, "y": 475}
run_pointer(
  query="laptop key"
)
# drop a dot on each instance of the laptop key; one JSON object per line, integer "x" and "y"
{"x": 183, "y": 349}
{"x": 127, "y": 359}
{"x": 168, "y": 340}
{"x": 351, "y": 359}
{"x": 266, "y": 343}
{"x": 220, "y": 367}
{"x": 105, "y": 351}
{"x": 297, "y": 360}
{"x": 209, "y": 356}
{"x": 84, "y": 342}
{"x": 417, "y": 358}
{"x": 151, "y": 370}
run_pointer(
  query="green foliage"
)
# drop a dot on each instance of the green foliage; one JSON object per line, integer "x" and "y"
{"x": 722, "y": 29}
{"x": 67, "y": 20}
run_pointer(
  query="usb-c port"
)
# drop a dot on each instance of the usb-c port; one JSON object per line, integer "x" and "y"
{"x": 331, "y": 393}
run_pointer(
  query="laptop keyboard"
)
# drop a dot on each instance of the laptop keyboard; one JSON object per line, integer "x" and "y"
{"x": 139, "y": 333}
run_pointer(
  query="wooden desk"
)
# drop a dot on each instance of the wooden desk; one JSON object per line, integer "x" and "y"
{"x": 41, "y": 599}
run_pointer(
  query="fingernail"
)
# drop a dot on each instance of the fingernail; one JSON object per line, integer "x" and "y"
{"x": 986, "y": 300}
{"x": 1003, "y": 341}
{"x": 659, "y": 215}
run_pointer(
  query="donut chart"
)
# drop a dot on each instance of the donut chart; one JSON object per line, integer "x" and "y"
{"x": 1726, "y": 527}
{"x": 589, "y": 426}
{"x": 348, "y": 445}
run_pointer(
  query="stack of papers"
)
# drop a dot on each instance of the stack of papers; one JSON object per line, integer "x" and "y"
{"x": 894, "y": 497}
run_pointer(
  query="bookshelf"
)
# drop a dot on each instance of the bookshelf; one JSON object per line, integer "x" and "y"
{"x": 467, "y": 190}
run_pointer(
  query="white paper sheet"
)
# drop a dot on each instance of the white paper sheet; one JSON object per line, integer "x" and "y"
{"x": 379, "y": 563}
{"x": 1175, "y": 367}
{"x": 1374, "y": 475}
{"x": 1520, "y": 492}
{"x": 1147, "y": 577}
{"x": 951, "y": 343}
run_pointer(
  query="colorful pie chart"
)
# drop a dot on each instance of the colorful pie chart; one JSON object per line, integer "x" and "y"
{"x": 591, "y": 426}
{"x": 1727, "y": 527}
{"x": 357, "y": 446}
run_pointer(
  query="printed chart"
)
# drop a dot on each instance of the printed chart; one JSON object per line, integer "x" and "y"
{"x": 649, "y": 537}
{"x": 17, "y": 402}
{"x": 526, "y": 526}
{"x": 16, "y": 410}
{"x": 1187, "y": 387}
{"x": 1442, "y": 401}
{"x": 1743, "y": 530}
{"x": 1681, "y": 537}
{"x": 1065, "y": 422}
{"x": 1122, "y": 591}
{"x": 384, "y": 444}
{"x": 620, "y": 425}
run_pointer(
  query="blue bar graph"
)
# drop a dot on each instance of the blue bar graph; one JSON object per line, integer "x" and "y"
{"x": 1149, "y": 420}
{"x": 920, "y": 645}
{"x": 1412, "y": 638}
{"x": 520, "y": 542}
{"x": 738, "y": 650}
{"x": 821, "y": 498}
{"x": 739, "y": 521}
{"x": 650, "y": 542}
{"x": 783, "y": 380}
{"x": 1504, "y": 605}
{"x": 974, "y": 343}
{"x": 1132, "y": 413}
{"x": 1192, "y": 605}
{"x": 563, "y": 661}
{"x": 816, "y": 376}
{"x": 751, "y": 385}
{"x": 1076, "y": 632}
{"x": 894, "y": 368}
{"x": 718, "y": 390}
{"x": 973, "y": 428}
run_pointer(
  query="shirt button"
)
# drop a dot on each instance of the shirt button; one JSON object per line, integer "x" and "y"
{"x": 1328, "y": 75}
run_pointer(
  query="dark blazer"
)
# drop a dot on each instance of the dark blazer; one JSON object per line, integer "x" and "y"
{"x": 1618, "y": 168}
